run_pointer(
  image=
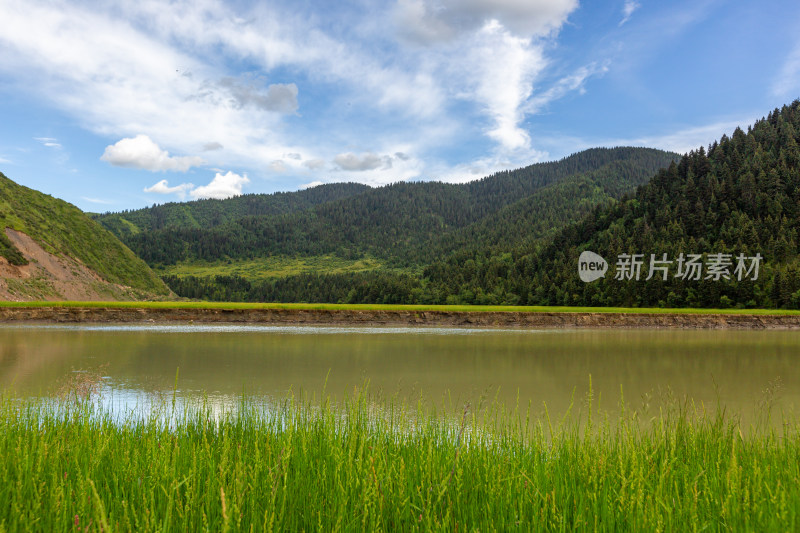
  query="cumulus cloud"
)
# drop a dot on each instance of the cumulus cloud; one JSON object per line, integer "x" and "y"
{"x": 279, "y": 97}
{"x": 94, "y": 63}
{"x": 628, "y": 9}
{"x": 141, "y": 152}
{"x": 311, "y": 185}
{"x": 162, "y": 187}
{"x": 366, "y": 161}
{"x": 212, "y": 146}
{"x": 221, "y": 187}
{"x": 431, "y": 21}
{"x": 494, "y": 51}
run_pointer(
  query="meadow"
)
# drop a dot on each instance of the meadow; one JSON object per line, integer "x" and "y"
{"x": 270, "y": 267}
{"x": 378, "y": 464}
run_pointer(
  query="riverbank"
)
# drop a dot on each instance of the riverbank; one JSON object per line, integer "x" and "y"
{"x": 393, "y": 315}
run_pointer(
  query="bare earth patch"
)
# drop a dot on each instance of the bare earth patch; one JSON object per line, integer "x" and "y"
{"x": 51, "y": 277}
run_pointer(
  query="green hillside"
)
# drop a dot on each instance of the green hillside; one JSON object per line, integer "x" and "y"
{"x": 64, "y": 230}
{"x": 722, "y": 206}
{"x": 549, "y": 208}
{"x": 739, "y": 197}
{"x": 403, "y": 224}
{"x": 372, "y": 245}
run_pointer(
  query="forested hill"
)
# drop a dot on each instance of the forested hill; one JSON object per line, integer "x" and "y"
{"x": 50, "y": 249}
{"x": 405, "y": 224}
{"x": 741, "y": 197}
{"x": 210, "y": 213}
{"x": 544, "y": 212}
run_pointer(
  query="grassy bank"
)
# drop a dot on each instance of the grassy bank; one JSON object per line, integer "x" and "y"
{"x": 296, "y": 467}
{"x": 411, "y": 308}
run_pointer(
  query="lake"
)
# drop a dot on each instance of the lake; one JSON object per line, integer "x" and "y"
{"x": 739, "y": 370}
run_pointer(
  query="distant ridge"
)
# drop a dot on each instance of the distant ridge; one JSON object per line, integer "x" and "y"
{"x": 208, "y": 213}
{"x": 406, "y": 223}
{"x": 348, "y": 242}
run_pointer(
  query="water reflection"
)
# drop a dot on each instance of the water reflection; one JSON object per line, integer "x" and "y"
{"x": 733, "y": 369}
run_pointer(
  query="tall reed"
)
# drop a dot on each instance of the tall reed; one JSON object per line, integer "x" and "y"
{"x": 356, "y": 465}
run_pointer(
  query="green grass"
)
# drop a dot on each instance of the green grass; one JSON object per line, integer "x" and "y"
{"x": 63, "y": 229}
{"x": 410, "y": 308}
{"x": 358, "y": 466}
{"x": 271, "y": 267}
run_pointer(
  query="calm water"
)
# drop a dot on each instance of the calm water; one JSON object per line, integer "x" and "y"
{"x": 729, "y": 368}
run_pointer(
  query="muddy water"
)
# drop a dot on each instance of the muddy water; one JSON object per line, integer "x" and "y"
{"x": 738, "y": 370}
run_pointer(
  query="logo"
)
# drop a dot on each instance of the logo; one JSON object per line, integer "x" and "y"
{"x": 591, "y": 266}
{"x": 690, "y": 267}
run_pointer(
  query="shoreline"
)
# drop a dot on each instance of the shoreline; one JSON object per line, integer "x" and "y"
{"x": 394, "y": 317}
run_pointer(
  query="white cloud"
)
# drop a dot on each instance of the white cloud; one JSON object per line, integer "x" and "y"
{"x": 3, "y": 160}
{"x": 281, "y": 98}
{"x": 430, "y": 21}
{"x": 97, "y": 200}
{"x": 692, "y": 138}
{"x": 314, "y": 164}
{"x": 118, "y": 80}
{"x": 162, "y": 187}
{"x": 628, "y": 9}
{"x": 787, "y": 84}
{"x": 311, "y": 185}
{"x": 367, "y": 161}
{"x": 378, "y": 168}
{"x": 504, "y": 68}
{"x": 277, "y": 166}
{"x": 145, "y": 66}
{"x": 491, "y": 53}
{"x": 211, "y": 146}
{"x": 681, "y": 141}
{"x": 141, "y": 152}
{"x": 486, "y": 166}
{"x": 573, "y": 82}
{"x": 417, "y": 23}
{"x": 96, "y": 64}
{"x": 50, "y": 142}
{"x": 221, "y": 187}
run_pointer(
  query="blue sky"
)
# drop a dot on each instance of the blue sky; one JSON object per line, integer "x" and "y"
{"x": 120, "y": 105}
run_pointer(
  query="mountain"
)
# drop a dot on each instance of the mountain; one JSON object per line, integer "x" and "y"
{"x": 50, "y": 250}
{"x": 728, "y": 205}
{"x": 552, "y": 207}
{"x": 403, "y": 224}
{"x": 355, "y": 243}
